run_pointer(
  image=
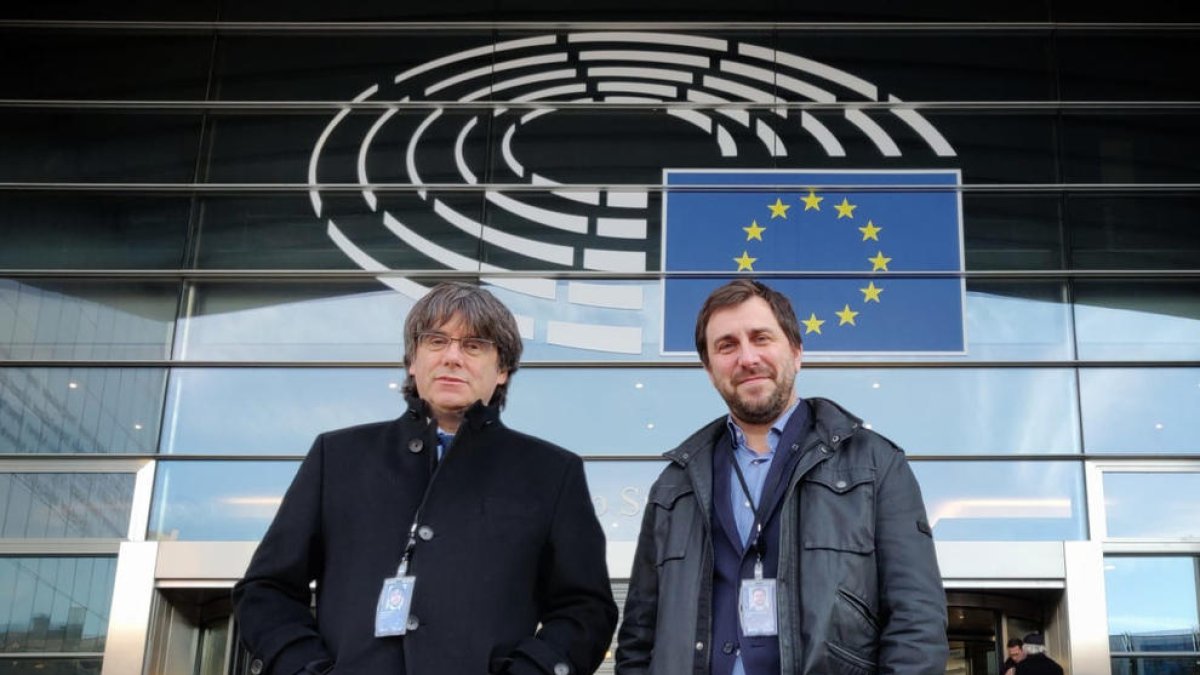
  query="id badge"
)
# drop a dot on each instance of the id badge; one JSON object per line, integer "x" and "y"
{"x": 395, "y": 601}
{"x": 756, "y": 607}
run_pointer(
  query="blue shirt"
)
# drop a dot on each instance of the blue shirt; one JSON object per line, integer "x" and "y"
{"x": 444, "y": 441}
{"x": 755, "y": 468}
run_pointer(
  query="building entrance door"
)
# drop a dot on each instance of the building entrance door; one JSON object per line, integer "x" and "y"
{"x": 981, "y": 622}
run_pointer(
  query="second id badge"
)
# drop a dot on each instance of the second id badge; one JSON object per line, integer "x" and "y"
{"x": 756, "y": 607}
{"x": 395, "y": 601}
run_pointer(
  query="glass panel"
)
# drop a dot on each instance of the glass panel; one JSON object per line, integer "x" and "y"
{"x": 65, "y": 505}
{"x": 619, "y": 491}
{"x": 1134, "y": 232}
{"x": 50, "y": 666}
{"x": 80, "y": 410}
{"x": 273, "y": 411}
{"x": 1155, "y": 505}
{"x": 1126, "y": 64}
{"x": 1003, "y": 501}
{"x": 72, "y": 231}
{"x": 591, "y": 320}
{"x": 135, "y": 65}
{"x": 1188, "y": 665}
{"x": 1133, "y": 320}
{"x": 221, "y": 501}
{"x": 49, "y": 145}
{"x": 1151, "y": 604}
{"x": 1140, "y": 410}
{"x": 1004, "y": 232}
{"x": 318, "y": 321}
{"x": 1129, "y": 147}
{"x": 54, "y": 604}
{"x": 71, "y": 320}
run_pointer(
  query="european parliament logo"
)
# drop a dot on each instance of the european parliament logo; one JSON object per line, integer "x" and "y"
{"x": 877, "y": 254}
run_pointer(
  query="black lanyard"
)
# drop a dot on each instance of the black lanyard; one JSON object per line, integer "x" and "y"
{"x": 402, "y": 570}
{"x": 757, "y": 543}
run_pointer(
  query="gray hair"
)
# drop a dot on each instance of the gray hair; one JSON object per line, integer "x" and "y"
{"x": 482, "y": 315}
{"x": 1033, "y": 649}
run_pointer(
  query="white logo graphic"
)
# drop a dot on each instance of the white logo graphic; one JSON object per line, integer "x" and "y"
{"x": 554, "y": 226}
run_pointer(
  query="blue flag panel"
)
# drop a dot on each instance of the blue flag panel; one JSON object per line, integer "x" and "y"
{"x": 916, "y": 226}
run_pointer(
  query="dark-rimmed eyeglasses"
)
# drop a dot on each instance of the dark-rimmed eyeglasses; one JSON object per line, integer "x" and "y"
{"x": 471, "y": 346}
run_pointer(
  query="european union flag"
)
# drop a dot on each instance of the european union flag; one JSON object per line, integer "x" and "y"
{"x": 866, "y": 229}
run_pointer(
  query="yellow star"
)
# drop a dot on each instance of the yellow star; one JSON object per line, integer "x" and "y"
{"x": 745, "y": 262}
{"x": 871, "y": 292}
{"x": 778, "y": 209}
{"x": 870, "y": 231}
{"x": 880, "y": 262}
{"x": 846, "y": 316}
{"x": 845, "y": 209}
{"x": 754, "y": 231}
{"x": 812, "y": 324}
{"x": 812, "y": 201}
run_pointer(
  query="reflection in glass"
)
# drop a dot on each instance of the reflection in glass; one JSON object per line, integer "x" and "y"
{"x": 65, "y": 505}
{"x": 1138, "y": 321}
{"x": 1152, "y": 604}
{"x": 1166, "y": 665}
{"x": 567, "y": 320}
{"x": 273, "y": 411}
{"x": 1152, "y": 505}
{"x": 40, "y": 666}
{"x": 222, "y": 501}
{"x": 71, "y": 320}
{"x": 80, "y": 410}
{"x": 1129, "y": 410}
{"x": 1003, "y": 501}
{"x": 55, "y": 604}
{"x": 619, "y": 491}
{"x": 305, "y": 321}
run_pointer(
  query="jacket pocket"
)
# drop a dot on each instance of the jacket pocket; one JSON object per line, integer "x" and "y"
{"x": 842, "y": 660}
{"x": 674, "y": 517}
{"x": 838, "y": 510}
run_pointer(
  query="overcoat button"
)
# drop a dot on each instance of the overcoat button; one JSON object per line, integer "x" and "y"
{"x": 416, "y": 445}
{"x": 425, "y": 532}
{"x": 413, "y": 622}
{"x": 840, "y": 484}
{"x": 561, "y": 668}
{"x": 699, "y": 646}
{"x": 727, "y": 648}
{"x": 256, "y": 667}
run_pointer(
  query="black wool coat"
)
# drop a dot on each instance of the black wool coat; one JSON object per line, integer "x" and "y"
{"x": 509, "y": 541}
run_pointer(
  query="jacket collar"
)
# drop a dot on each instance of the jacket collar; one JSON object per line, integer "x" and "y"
{"x": 476, "y": 417}
{"x": 832, "y": 425}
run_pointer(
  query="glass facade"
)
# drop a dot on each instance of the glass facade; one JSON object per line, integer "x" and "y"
{"x": 211, "y": 233}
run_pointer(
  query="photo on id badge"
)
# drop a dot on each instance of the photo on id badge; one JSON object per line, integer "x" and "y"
{"x": 756, "y": 606}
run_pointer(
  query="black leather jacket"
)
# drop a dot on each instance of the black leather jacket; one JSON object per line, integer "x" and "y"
{"x": 859, "y": 587}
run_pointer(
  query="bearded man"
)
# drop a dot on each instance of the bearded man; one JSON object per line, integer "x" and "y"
{"x": 787, "y": 498}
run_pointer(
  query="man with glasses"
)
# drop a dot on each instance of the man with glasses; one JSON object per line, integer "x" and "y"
{"x": 439, "y": 542}
{"x": 783, "y": 537}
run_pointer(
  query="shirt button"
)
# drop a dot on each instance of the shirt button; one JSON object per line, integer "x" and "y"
{"x": 746, "y": 504}
{"x": 699, "y": 646}
{"x": 413, "y": 622}
{"x": 425, "y": 532}
{"x": 840, "y": 484}
{"x": 416, "y": 445}
{"x": 727, "y": 648}
{"x": 561, "y": 668}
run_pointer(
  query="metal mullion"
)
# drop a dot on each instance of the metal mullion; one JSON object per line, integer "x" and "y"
{"x": 673, "y": 26}
{"x": 52, "y": 655}
{"x": 581, "y": 365}
{"x": 238, "y": 275}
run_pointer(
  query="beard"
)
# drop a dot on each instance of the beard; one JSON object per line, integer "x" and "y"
{"x": 763, "y": 410}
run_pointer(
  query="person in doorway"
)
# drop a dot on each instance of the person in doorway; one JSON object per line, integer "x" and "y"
{"x": 793, "y": 497}
{"x": 1036, "y": 662}
{"x": 440, "y": 542}
{"x": 1015, "y": 655}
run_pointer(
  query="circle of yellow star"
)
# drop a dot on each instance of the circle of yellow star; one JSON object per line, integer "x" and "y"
{"x": 880, "y": 262}
{"x": 871, "y": 231}
{"x": 745, "y": 262}
{"x": 812, "y": 201}
{"x": 845, "y": 209}
{"x": 812, "y": 324}
{"x": 778, "y": 209}
{"x": 846, "y": 316}
{"x": 871, "y": 292}
{"x": 754, "y": 231}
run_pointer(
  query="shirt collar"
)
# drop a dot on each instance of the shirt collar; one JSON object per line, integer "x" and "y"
{"x": 773, "y": 436}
